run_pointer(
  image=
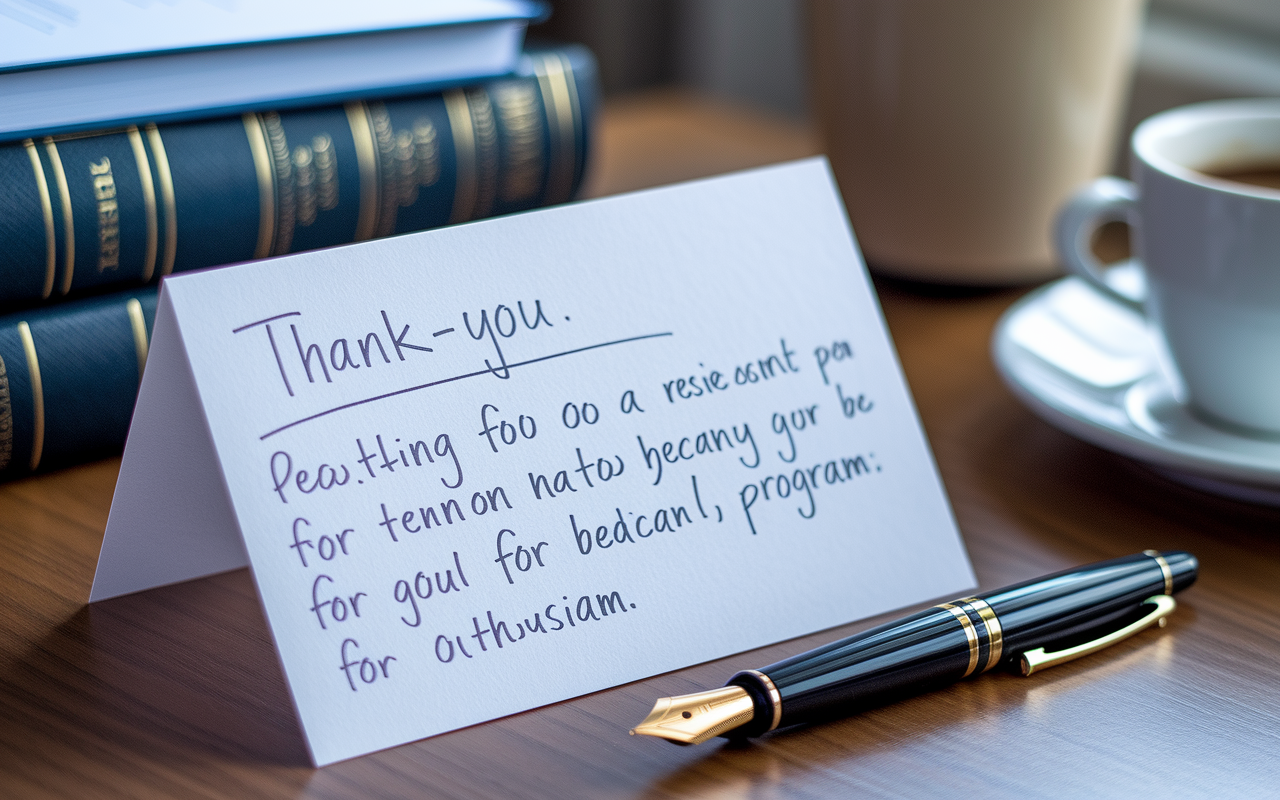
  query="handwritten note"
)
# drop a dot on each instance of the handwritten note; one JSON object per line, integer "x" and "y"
{"x": 486, "y": 468}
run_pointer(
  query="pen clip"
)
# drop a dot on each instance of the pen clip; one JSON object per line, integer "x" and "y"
{"x": 1036, "y": 660}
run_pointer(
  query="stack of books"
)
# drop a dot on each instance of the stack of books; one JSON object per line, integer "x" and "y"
{"x": 147, "y": 141}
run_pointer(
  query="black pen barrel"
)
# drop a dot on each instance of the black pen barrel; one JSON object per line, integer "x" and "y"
{"x": 925, "y": 650}
{"x": 956, "y": 640}
{"x": 1075, "y": 602}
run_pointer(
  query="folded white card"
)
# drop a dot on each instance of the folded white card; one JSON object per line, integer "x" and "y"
{"x": 486, "y": 468}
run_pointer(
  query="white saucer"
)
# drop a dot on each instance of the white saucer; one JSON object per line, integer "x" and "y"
{"x": 1088, "y": 365}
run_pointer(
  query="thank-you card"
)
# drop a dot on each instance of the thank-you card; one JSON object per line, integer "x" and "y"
{"x": 486, "y": 468}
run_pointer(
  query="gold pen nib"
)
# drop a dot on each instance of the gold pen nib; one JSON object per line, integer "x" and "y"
{"x": 695, "y": 718}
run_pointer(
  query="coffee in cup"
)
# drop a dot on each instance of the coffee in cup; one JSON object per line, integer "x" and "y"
{"x": 1265, "y": 175}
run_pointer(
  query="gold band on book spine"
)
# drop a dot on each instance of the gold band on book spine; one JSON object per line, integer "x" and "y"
{"x": 367, "y": 161}
{"x": 37, "y": 393}
{"x": 262, "y": 165}
{"x": 68, "y": 223}
{"x": 148, "y": 200}
{"x": 464, "y": 155}
{"x": 570, "y": 124}
{"x": 167, "y": 197}
{"x": 138, "y": 324}
{"x": 46, "y": 207}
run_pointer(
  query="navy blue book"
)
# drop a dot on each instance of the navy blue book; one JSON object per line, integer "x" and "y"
{"x": 69, "y": 376}
{"x": 97, "y": 213}
{"x": 82, "y": 212}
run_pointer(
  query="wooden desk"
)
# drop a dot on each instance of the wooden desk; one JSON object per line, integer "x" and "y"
{"x": 176, "y": 692}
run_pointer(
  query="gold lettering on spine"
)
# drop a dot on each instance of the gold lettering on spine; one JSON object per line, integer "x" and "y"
{"x": 315, "y": 178}
{"x": 104, "y": 193}
{"x": 46, "y": 207}
{"x": 408, "y": 159}
{"x": 266, "y": 189}
{"x": 68, "y": 223}
{"x": 282, "y": 172}
{"x": 393, "y": 164}
{"x": 367, "y": 161}
{"x": 148, "y": 201}
{"x": 559, "y": 102}
{"x": 426, "y": 155}
{"x": 517, "y": 108}
{"x": 304, "y": 183}
{"x": 37, "y": 393}
{"x": 486, "y": 138}
{"x": 464, "y": 155}
{"x": 6, "y": 419}
{"x": 167, "y": 197}
{"x": 138, "y": 324}
{"x": 406, "y": 169}
{"x": 326, "y": 168}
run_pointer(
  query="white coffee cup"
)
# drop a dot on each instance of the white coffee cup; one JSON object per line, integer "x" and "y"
{"x": 1209, "y": 248}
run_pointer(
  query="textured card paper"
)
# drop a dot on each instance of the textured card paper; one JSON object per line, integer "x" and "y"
{"x": 486, "y": 468}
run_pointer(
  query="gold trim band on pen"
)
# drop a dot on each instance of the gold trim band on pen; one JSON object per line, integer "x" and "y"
{"x": 37, "y": 393}
{"x": 46, "y": 207}
{"x": 68, "y": 222}
{"x": 970, "y": 633}
{"x": 995, "y": 633}
{"x": 775, "y": 697}
{"x": 1164, "y": 569}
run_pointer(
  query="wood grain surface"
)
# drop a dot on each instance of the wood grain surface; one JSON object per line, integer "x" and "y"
{"x": 176, "y": 692}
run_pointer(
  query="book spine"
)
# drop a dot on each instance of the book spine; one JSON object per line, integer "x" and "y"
{"x": 125, "y": 207}
{"x": 69, "y": 376}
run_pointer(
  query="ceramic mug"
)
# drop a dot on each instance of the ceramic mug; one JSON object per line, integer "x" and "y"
{"x": 957, "y": 129}
{"x": 1208, "y": 244}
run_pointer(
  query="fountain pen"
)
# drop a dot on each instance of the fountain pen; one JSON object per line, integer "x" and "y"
{"x": 1027, "y": 627}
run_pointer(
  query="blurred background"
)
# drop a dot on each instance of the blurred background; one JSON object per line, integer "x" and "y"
{"x": 752, "y": 52}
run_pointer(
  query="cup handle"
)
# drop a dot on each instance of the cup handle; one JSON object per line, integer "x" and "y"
{"x": 1105, "y": 200}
